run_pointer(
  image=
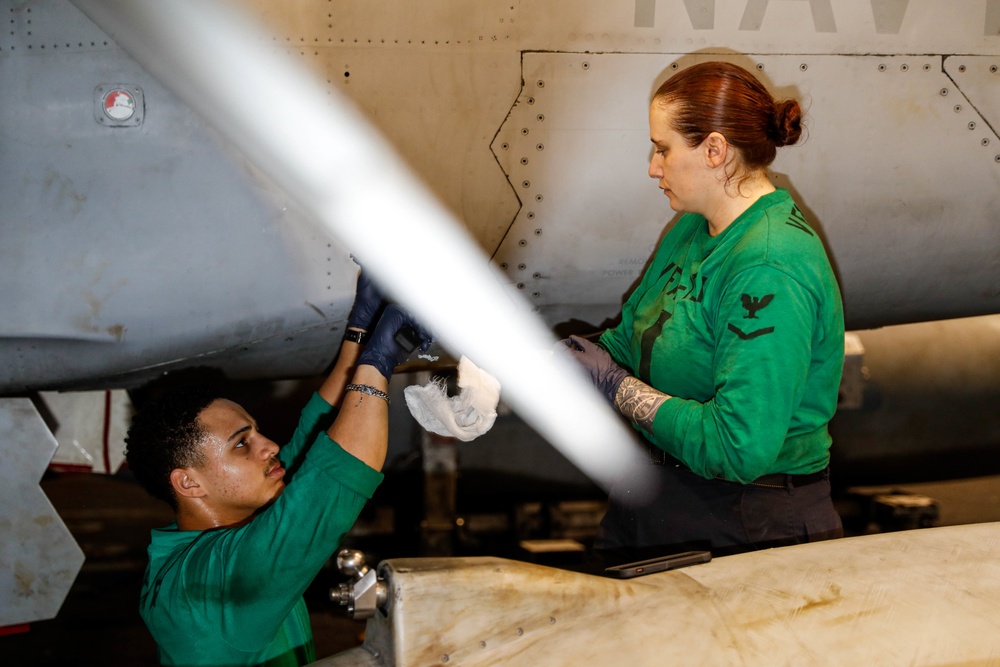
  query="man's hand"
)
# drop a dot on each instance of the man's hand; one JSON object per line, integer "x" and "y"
{"x": 604, "y": 372}
{"x": 368, "y": 303}
{"x": 386, "y": 350}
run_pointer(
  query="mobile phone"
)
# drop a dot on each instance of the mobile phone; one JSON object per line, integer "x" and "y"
{"x": 671, "y": 562}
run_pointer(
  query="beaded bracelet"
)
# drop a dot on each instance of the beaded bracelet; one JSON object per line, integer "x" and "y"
{"x": 370, "y": 390}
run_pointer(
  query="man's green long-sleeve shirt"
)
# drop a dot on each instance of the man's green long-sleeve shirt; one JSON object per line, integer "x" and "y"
{"x": 233, "y": 596}
{"x": 745, "y": 330}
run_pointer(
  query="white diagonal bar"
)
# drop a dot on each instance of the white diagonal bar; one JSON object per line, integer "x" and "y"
{"x": 322, "y": 152}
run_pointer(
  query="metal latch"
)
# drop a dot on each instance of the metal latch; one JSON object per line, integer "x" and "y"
{"x": 365, "y": 593}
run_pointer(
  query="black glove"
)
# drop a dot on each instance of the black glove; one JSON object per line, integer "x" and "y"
{"x": 394, "y": 337}
{"x": 604, "y": 372}
{"x": 368, "y": 303}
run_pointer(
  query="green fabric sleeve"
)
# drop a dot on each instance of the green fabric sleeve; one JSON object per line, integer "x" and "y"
{"x": 262, "y": 569}
{"x": 244, "y": 582}
{"x": 762, "y": 359}
{"x": 315, "y": 418}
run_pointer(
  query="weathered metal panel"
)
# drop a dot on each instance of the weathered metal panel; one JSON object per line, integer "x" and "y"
{"x": 925, "y": 597}
{"x": 39, "y": 559}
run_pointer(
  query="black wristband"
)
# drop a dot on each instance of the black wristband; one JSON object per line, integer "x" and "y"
{"x": 355, "y": 336}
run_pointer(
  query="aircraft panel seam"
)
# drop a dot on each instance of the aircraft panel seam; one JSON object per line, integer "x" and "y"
{"x": 506, "y": 175}
{"x": 958, "y": 87}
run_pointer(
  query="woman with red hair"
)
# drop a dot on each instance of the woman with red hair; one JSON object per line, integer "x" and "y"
{"x": 729, "y": 353}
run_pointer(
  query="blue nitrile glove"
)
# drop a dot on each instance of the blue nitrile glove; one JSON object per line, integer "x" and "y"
{"x": 395, "y": 336}
{"x": 604, "y": 372}
{"x": 368, "y": 303}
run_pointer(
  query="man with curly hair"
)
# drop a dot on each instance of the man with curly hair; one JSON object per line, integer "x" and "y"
{"x": 255, "y": 522}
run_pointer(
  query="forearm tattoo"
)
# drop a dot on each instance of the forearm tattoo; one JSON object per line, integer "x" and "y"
{"x": 639, "y": 402}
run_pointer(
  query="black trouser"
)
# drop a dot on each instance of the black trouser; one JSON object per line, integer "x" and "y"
{"x": 686, "y": 511}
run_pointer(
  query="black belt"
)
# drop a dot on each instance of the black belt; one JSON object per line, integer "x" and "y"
{"x": 781, "y": 480}
{"x": 778, "y": 480}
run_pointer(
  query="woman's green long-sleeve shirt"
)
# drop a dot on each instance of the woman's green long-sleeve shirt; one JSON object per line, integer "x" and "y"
{"x": 745, "y": 330}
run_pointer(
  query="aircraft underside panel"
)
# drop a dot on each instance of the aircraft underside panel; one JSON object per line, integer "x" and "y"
{"x": 133, "y": 248}
{"x": 436, "y": 78}
{"x": 580, "y": 125}
{"x": 901, "y": 155}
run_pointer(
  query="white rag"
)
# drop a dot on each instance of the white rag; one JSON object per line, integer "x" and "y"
{"x": 465, "y": 416}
